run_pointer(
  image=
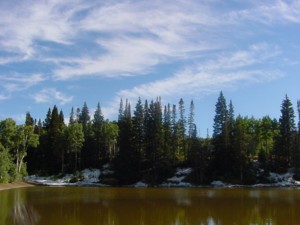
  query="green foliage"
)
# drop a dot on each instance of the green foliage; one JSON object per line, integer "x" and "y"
{"x": 6, "y": 165}
{"x": 74, "y": 141}
{"x": 150, "y": 144}
{"x": 286, "y": 140}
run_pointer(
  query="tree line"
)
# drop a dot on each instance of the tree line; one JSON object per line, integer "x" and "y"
{"x": 150, "y": 141}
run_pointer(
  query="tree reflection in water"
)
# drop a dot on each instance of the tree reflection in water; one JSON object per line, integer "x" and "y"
{"x": 153, "y": 206}
{"x": 23, "y": 213}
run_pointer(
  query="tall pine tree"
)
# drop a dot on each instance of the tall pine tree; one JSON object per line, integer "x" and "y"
{"x": 285, "y": 144}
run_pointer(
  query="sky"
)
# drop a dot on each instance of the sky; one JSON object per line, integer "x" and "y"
{"x": 65, "y": 53}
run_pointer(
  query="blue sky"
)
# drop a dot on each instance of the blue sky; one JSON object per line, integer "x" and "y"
{"x": 67, "y": 52}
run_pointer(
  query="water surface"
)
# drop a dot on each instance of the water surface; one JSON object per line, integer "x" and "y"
{"x": 131, "y": 206}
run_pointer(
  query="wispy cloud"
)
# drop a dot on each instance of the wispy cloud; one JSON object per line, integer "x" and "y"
{"x": 270, "y": 12}
{"x": 3, "y": 97}
{"x": 51, "y": 95}
{"x": 127, "y": 37}
{"x": 228, "y": 71}
{"x": 24, "y": 22}
{"x": 19, "y": 82}
{"x": 140, "y": 36}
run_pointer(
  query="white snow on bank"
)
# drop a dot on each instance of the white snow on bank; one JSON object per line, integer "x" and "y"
{"x": 283, "y": 180}
{"x": 86, "y": 177}
{"x": 276, "y": 180}
{"x": 140, "y": 184}
{"x": 178, "y": 179}
{"x": 90, "y": 177}
{"x": 218, "y": 183}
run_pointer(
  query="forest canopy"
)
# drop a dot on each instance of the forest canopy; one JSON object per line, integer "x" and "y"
{"x": 149, "y": 141}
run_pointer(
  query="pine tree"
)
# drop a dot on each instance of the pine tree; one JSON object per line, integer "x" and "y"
{"x": 29, "y": 121}
{"x": 46, "y": 123}
{"x": 167, "y": 134}
{"x": 158, "y": 165}
{"x": 138, "y": 127}
{"x": 221, "y": 116}
{"x": 285, "y": 144}
{"x": 219, "y": 138}
{"x": 84, "y": 118}
{"x": 98, "y": 116}
{"x": 55, "y": 155}
{"x": 191, "y": 120}
{"x": 193, "y": 142}
{"x": 296, "y": 154}
{"x": 298, "y": 109}
{"x": 127, "y": 161}
{"x": 72, "y": 116}
{"x": 99, "y": 154}
{"x": 174, "y": 128}
{"x": 181, "y": 131}
{"x": 121, "y": 110}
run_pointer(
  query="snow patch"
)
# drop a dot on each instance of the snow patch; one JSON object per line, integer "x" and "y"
{"x": 218, "y": 183}
{"x": 178, "y": 179}
{"x": 140, "y": 184}
{"x": 87, "y": 177}
{"x": 283, "y": 180}
{"x": 90, "y": 175}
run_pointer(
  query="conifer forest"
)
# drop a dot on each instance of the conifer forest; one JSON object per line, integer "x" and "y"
{"x": 148, "y": 141}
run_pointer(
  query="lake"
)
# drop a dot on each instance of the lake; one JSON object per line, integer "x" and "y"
{"x": 152, "y": 206}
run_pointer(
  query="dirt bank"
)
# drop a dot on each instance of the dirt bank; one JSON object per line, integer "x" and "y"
{"x": 15, "y": 185}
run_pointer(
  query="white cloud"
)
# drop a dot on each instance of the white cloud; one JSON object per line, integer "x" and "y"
{"x": 27, "y": 21}
{"x": 139, "y": 36}
{"x": 51, "y": 95}
{"x": 127, "y": 37}
{"x": 19, "y": 82}
{"x": 270, "y": 12}
{"x": 3, "y": 97}
{"x": 230, "y": 70}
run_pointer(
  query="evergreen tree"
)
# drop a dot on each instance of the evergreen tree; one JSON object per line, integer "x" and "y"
{"x": 99, "y": 154}
{"x": 285, "y": 144}
{"x": 193, "y": 142}
{"x": 72, "y": 116}
{"x": 220, "y": 138}
{"x": 221, "y": 116}
{"x": 181, "y": 131}
{"x": 158, "y": 165}
{"x": 121, "y": 110}
{"x": 46, "y": 123}
{"x": 61, "y": 119}
{"x": 29, "y": 121}
{"x": 168, "y": 134}
{"x": 56, "y": 141}
{"x": 174, "y": 128}
{"x": 77, "y": 116}
{"x": 127, "y": 160}
{"x": 296, "y": 154}
{"x": 298, "y": 109}
{"x": 191, "y": 120}
{"x": 138, "y": 130}
{"x": 84, "y": 118}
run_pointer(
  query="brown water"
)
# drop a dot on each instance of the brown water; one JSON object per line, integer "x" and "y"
{"x": 129, "y": 206}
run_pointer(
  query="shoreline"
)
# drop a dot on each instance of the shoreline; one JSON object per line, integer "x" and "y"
{"x": 15, "y": 185}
